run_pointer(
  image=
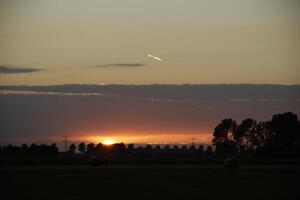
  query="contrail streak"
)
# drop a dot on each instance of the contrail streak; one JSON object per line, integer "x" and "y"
{"x": 154, "y": 57}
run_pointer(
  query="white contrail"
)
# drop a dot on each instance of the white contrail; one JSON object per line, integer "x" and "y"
{"x": 156, "y": 58}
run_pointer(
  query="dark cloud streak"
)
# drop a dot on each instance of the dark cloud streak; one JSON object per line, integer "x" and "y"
{"x": 9, "y": 69}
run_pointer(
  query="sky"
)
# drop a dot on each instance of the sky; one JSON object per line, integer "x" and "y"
{"x": 45, "y": 42}
{"x": 138, "y": 42}
{"x": 156, "y": 114}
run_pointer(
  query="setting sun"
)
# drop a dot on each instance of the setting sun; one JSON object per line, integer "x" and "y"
{"x": 108, "y": 142}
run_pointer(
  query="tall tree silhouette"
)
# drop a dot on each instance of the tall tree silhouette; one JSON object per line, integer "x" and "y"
{"x": 262, "y": 135}
{"x": 201, "y": 149}
{"x": 72, "y": 148}
{"x": 286, "y": 128}
{"x": 90, "y": 148}
{"x": 82, "y": 147}
{"x": 244, "y": 133}
{"x": 130, "y": 146}
{"x": 224, "y": 131}
{"x": 224, "y": 134}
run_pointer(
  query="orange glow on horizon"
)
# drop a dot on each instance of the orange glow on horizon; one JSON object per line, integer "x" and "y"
{"x": 108, "y": 142}
{"x": 109, "y": 139}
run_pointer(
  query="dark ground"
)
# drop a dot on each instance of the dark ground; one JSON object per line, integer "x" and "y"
{"x": 150, "y": 182}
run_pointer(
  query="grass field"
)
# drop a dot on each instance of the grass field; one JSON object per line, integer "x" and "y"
{"x": 150, "y": 182}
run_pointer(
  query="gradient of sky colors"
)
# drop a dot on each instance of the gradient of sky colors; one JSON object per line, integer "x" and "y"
{"x": 51, "y": 42}
{"x": 200, "y": 41}
{"x": 140, "y": 114}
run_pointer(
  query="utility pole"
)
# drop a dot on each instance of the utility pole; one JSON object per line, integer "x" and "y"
{"x": 66, "y": 142}
{"x": 192, "y": 140}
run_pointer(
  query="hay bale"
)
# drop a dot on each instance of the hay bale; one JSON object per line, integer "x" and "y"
{"x": 232, "y": 163}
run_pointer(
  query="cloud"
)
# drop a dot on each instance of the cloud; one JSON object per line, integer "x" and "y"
{"x": 121, "y": 65}
{"x": 28, "y": 92}
{"x": 9, "y": 69}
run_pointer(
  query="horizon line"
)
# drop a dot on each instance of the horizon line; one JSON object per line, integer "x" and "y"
{"x": 156, "y": 84}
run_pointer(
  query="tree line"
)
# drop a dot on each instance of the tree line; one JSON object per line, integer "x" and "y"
{"x": 119, "y": 148}
{"x": 100, "y": 149}
{"x": 32, "y": 150}
{"x": 279, "y": 136}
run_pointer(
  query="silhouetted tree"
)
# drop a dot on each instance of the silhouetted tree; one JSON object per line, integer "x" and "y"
{"x": 286, "y": 128}
{"x": 90, "y": 148}
{"x": 32, "y": 149}
{"x": 24, "y": 149}
{"x": 8, "y": 150}
{"x": 99, "y": 147}
{"x": 148, "y": 147}
{"x": 262, "y": 134}
{"x": 183, "y": 147}
{"x": 244, "y": 134}
{"x": 119, "y": 147}
{"x": 201, "y": 149}
{"x": 24, "y": 146}
{"x": 167, "y": 147}
{"x": 72, "y": 148}
{"x": 82, "y": 147}
{"x": 54, "y": 149}
{"x": 224, "y": 131}
{"x": 130, "y": 147}
{"x": 224, "y": 134}
{"x": 274, "y": 137}
{"x": 192, "y": 147}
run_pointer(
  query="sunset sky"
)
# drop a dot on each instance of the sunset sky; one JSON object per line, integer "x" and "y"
{"x": 137, "y": 42}
{"x": 200, "y": 41}
{"x": 139, "y": 114}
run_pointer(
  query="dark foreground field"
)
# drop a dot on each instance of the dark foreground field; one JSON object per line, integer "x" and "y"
{"x": 150, "y": 182}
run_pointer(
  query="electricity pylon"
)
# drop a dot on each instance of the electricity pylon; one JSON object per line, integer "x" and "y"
{"x": 66, "y": 142}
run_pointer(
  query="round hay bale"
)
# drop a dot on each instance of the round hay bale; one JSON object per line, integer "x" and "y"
{"x": 232, "y": 163}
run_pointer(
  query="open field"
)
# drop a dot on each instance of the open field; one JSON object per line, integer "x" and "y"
{"x": 151, "y": 182}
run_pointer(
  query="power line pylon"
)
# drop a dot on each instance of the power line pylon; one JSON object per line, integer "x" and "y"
{"x": 66, "y": 142}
